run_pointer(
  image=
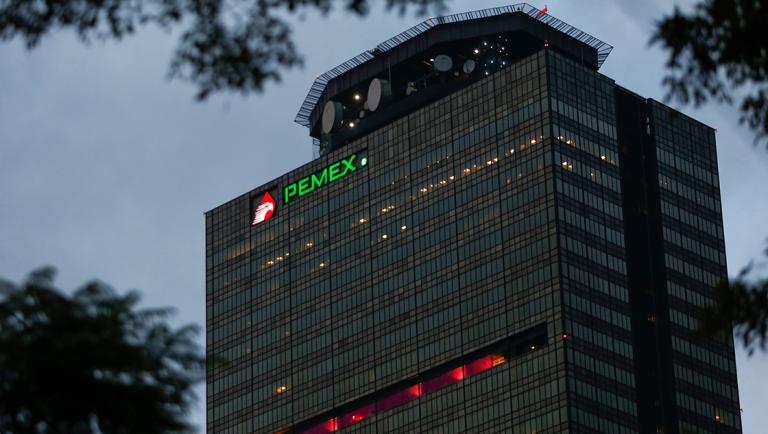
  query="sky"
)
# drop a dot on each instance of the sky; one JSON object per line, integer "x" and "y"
{"x": 107, "y": 167}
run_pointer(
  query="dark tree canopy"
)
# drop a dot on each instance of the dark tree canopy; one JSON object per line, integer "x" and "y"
{"x": 225, "y": 45}
{"x": 91, "y": 362}
{"x": 719, "y": 51}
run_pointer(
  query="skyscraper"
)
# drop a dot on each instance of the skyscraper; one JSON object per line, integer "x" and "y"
{"x": 494, "y": 238}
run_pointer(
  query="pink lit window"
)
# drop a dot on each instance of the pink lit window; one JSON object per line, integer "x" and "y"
{"x": 404, "y": 396}
{"x": 446, "y": 379}
{"x": 480, "y": 365}
{"x": 331, "y": 425}
{"x": 357, "y": 415}
{"x": 399, "y": 398}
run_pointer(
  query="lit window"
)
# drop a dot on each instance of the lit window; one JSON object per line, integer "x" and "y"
{"x": 443, "y": 380}
{"x": 479, "y": 365}
{"x": 281, "y": 389}
{"x": 399, "y": 398}
{"x": 404, "y": 396}
{"x": 358, "y": 415}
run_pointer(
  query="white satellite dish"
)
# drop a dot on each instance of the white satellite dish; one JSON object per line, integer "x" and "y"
{"x": 443, "y": 63}
{"x": 379, "y": 91}
{"x": 469, "y": 66}
{"x": 333, "y": 114}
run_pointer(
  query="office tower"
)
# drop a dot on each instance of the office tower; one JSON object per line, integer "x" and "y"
{"x": 494, "y": 238}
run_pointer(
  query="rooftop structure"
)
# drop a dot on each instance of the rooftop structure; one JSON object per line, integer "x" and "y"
{"x": 406, "y": 61}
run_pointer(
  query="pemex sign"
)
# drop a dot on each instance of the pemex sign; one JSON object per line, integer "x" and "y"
{"x": 325, "y": 176}
{"x": 264, "y": 207}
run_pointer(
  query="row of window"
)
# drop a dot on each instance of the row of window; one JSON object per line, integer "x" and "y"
{"x": 571, "y": 138}
{"x": 693, "y": 245}
{"x": 705, "y": 382}
{"x": 706, "y": 199}
{"x": 718, "y": 415}
{"x": 595, "y": 310}
{"x": 697, "y": 273}
{"x": 590, "y": 199}
{"x": 594, "y": 254}
{"x": 703, "y": 355}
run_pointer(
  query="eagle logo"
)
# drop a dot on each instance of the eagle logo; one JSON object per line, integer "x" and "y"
{"x": 265, "y": 210}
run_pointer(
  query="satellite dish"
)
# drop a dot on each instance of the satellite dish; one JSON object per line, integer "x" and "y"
{"x": 443, "y": 63}
{"x": 379, "y": 91}
{"x": 469, "y": 66}
{"x": 333, "y": 114}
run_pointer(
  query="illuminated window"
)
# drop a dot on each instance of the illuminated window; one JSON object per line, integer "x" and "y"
{"x": 440, "y": 380}
{"x": 399, "y": 398}
{"x": 357, "y": 415}
{"x": 479, "y": 365}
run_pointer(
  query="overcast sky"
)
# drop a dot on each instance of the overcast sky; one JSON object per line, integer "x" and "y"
{"x": 106, "y": 168}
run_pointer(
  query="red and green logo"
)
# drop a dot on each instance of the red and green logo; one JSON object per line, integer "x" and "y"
{"x": 264, "y": 210}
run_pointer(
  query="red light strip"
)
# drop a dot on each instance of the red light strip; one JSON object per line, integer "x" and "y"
{"x": 402, "y": 397}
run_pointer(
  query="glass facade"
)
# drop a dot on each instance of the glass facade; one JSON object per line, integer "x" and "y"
{"x": 694, "y": 256}
{"x": 593, "y": 258}
{"x": 471, "y": 277}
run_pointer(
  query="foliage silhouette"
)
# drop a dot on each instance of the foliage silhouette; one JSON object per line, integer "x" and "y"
{"x": 91, "y": 362}
{"x": 224, "y": 45}
{"x": 719, "y": 51}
